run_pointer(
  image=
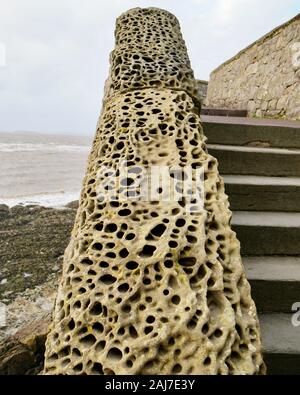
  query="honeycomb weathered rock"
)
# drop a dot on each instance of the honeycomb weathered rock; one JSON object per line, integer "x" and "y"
{"x": 157, "y": 286}
{"x": 150, "y": 53}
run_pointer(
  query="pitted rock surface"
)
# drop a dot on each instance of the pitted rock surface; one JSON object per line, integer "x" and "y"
{"x": 151, "y": 287}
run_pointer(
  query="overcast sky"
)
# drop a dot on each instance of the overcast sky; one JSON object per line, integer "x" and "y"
{"x": 57, "y": 52}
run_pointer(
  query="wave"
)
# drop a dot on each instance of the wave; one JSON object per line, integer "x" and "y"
{"x": 46, "y": 199}
{"x": 50, "y": 147}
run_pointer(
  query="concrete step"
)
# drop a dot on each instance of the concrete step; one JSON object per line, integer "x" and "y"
{"x": 267, "y": 233}
{"x": 275, "y": 282}
{"x": 258, "y": 193}
{"x": 256, "y": 161}
{"x": 223, "y": 112}
{"x": 251, "y": 131}
{"x": 281, "y": 343}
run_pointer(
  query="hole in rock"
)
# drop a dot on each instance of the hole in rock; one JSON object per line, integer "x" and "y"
{"x": 148, "y": 330}
{"x": 177, "y": 368}
{"x": 123, "y": 287}
{"x": 97, "y": 246}
{"x": 101, "y": 345}
{"x": 78, "y": 367}
{"x": 158, "y": 230}
{"x": 97, "y": 368}
{"x": 147, "y": 251}
{"x": 132, "y": 331}
{"x": 180, "y": 222}
{"x": 150, "y": 319}
{"x": 88, "y": 340}
{"x": 124, "y": 212}
{"x": 131, "y": 265}
{"x": 71, "y": 324}
{"x": 114, "y": 354}
{"x": 107, "y": 279}
{"x": 110, "y": 228}
{"x": 130, "y": 236}
{"x": 188, "y": 261}
{"x": 98, "y": 327}
{"x": 124, "y": 253}
{"x": 175, "y": 299}
{"x": 86, "y": 261}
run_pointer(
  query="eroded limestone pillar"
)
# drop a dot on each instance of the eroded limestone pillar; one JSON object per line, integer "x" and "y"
{"x": 152, "y": 285}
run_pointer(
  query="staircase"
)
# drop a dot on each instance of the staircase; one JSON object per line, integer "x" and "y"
{"x": 260, "y": 163}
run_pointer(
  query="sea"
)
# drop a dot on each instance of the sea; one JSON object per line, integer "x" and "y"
{"x": 40, "y": 168}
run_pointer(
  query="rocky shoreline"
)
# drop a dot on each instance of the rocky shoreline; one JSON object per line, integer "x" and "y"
{"x": 32, "y": 243}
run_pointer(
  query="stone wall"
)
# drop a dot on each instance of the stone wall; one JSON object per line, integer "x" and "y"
{"x": 202, "y": 89}
{"x": 264, "y": 78}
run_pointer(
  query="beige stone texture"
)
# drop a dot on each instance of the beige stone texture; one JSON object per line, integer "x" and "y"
{"x": 152, "y": 286}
